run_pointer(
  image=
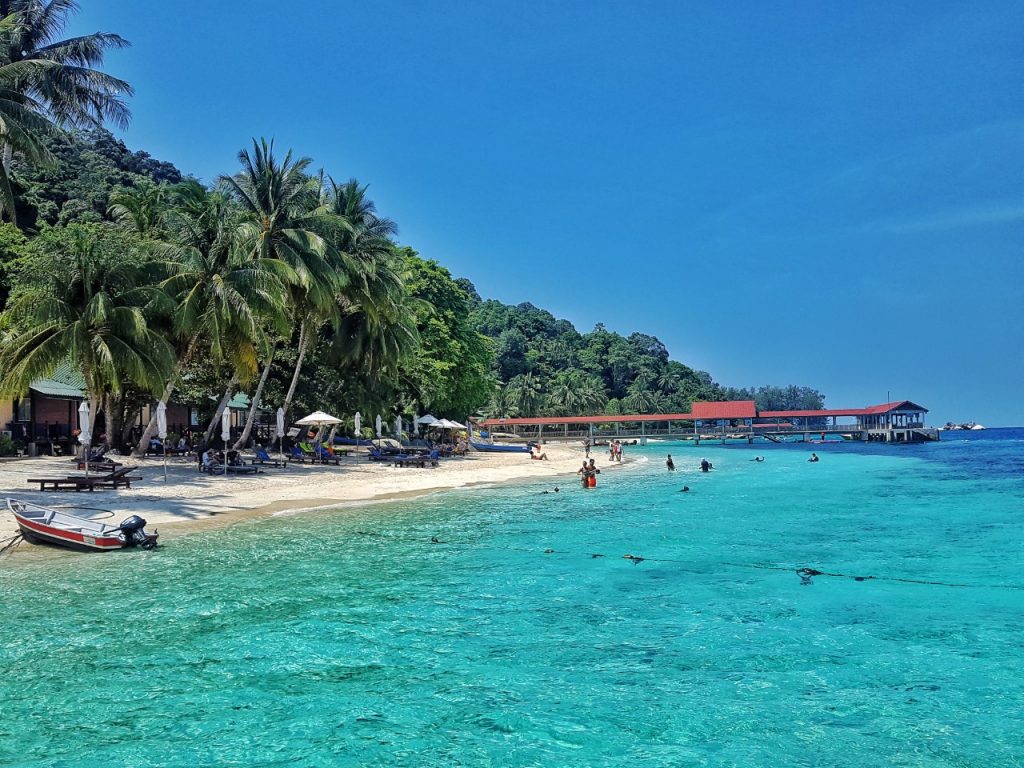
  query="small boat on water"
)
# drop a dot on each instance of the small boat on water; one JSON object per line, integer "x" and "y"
{"x": 499, "y": 448}
{"x": 40, "y": 524}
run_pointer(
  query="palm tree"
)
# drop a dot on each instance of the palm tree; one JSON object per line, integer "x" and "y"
{"x": 525, "y": 393}
{"x": 501, "y": 404}
{"x": 572, "y": 393}
{"x": 45, "y": 80}
{"x": 89, "y": 312}
{"x": 377, "y": 328}
{"x": 142, "y": 208}
{"x": 284, "y": 218}
{"x": 221, "y": 298}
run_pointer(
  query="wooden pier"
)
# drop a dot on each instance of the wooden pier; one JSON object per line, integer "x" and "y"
{"x": 730, "y": 422}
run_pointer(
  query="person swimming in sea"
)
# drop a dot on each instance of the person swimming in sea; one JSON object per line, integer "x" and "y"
{"x": 758, "y": 458}
{"x": 670, "y": 464}
{"x": 814, "y": 458}
{"x": 684, "y": 489}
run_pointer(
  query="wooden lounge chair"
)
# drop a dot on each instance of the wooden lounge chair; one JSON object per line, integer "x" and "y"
{"x": 102, "y": 465}
{"x": 114, "y": 480}
{"x": 420, "y": 461}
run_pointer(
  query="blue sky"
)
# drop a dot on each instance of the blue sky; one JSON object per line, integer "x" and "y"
{"x": 783, "y": 193}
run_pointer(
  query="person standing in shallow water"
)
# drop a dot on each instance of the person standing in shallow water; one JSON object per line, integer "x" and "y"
{"x": 670, "y": 464}
{"x": 584, "y": 473}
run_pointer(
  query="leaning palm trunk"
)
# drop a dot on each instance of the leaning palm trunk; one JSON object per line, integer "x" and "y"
{"x": 298, "y": 367}
{"x": 147, "y": 433}
{"x": 254, "y": 405}
{"x": 229, "y": 392}
{"x": 111, "y": 409}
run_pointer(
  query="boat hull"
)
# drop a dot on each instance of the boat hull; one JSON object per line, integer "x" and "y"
{"x": 489, "y": 448}
{"x": 36, "y": 532}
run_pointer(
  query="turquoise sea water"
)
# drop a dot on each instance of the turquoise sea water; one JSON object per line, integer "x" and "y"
{"x": 347, "y": 638}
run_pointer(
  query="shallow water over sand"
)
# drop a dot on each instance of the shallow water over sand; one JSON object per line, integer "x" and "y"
{"x": 348, "y": 638}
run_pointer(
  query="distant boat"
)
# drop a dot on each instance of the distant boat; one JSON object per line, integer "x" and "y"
{"x": 499, "y": 448}
{"x": 975, "y": 427}
{"x": 42, "y": 524}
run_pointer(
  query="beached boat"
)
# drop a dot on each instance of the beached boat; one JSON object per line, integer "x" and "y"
{"x": 40, "y": 524}
{"x": 499, "y": 447}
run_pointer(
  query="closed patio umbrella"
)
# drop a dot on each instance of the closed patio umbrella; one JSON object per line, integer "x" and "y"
{"x": 379, "y": 424}
{"x": 225, "y": 435}
{"x": 398, "y": 428}
{"x": 280, "y": 431}
{"x": 358, "y": 425}
{"x": 84, "y": 431}
{"x": 161, "y": 430}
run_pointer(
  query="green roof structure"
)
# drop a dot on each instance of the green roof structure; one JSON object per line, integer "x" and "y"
{"x": 65, "y": 382}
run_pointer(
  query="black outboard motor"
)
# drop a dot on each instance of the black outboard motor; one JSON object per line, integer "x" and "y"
{"x": 135, "y": 535}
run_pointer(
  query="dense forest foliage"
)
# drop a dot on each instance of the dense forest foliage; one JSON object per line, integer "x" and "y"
{"x": 465, "y": 355}
{"x": 274, "y": 280}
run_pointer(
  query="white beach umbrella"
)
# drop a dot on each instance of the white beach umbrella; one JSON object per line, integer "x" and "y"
{"x": 84, "y": 431}
{"x": 379, "y": 424}
{"x": 161, "y": 430}
{"x": 427, "y": 419}
{"x": 454, "y": 424}
{"x": 318, "y": 419}
{"x": 358, "y": 426}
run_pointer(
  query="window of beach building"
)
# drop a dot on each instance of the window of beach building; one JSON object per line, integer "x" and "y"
{"x": 23, "y": 410}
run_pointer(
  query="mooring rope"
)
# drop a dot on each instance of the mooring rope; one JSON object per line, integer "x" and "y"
{"x": 11, "y": 543}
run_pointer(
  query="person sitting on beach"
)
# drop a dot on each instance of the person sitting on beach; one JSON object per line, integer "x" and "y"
{"x": 183, "y": 444}
{"x": 155, "y": 446}
{"x": 670, "y": 464}
{"x": 537, "y": 453}
{"x": 208, "y": 458}
{"x": 814, "y": 458}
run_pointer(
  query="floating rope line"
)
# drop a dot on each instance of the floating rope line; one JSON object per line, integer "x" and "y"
{"x": 805, "y": 573}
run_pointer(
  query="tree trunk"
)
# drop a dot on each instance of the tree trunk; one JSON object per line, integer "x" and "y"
{"x": 147, "y": 433}
{"x": 228, "y": 394}
{"x": 112, "y": 408}
{"x": 298, "y": 367}
{"x": 255, "y": 404}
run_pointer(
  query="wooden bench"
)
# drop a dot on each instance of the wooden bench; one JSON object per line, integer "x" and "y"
{"x": 81, "y": 483}
{"x": 415, "y": 461}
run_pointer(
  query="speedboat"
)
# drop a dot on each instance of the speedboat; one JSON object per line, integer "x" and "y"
{"x": 500, "y": 447}
{"x": 41, "y": 524}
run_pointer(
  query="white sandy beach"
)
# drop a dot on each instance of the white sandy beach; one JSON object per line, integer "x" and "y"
{"x": 189, "y": 498}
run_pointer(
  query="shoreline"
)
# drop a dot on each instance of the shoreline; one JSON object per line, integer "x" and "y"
{"x": 191, "y": 501}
